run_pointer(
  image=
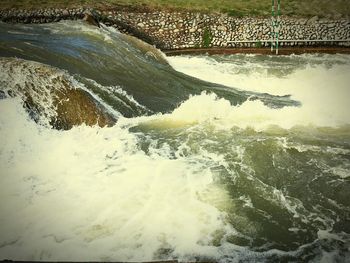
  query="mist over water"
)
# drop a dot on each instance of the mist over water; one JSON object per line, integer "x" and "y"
{"x": 192, "y": 170}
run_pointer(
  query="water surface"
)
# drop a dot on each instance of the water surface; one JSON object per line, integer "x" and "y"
{"x": 209, "y": 159}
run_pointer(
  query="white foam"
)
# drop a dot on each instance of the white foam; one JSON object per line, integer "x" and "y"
{"x": 207, "y": 108}
{"x": 91, "y": 194}
{"x": 267, "y": 74}
{"x": 322, "y": 89}
{"x": 342, "y": 172}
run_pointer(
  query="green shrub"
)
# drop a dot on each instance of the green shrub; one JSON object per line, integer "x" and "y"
{"x": 207, "y": 38}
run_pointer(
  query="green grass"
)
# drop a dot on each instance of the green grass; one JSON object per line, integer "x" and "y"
{"x": 231, "y": 7}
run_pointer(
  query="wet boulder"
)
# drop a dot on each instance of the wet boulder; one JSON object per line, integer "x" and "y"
{"x": 51, "y": 96}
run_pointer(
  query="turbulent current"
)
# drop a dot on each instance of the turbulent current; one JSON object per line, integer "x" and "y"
{"x": 240, "y": 158}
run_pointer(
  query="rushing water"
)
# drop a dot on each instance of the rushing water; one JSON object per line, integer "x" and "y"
{"x": 231, "y": 171}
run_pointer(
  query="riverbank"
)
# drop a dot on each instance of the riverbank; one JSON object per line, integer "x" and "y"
{"x": 173, "y": 30}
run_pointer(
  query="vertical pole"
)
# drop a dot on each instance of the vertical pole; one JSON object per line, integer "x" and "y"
{"x": 278, "y": 24}
{"x": 273, "y": 24}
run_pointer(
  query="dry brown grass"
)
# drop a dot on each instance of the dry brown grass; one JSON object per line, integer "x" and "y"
{"x": 232, "y": 7}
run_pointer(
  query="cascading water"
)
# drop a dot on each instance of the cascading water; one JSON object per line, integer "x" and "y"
{"x": 192, "y": 170}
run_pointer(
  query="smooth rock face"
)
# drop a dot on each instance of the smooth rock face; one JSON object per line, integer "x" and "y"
{"x": 174, "y": 30}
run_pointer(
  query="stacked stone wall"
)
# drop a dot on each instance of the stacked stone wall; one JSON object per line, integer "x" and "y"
{"x": 179, "y": 30}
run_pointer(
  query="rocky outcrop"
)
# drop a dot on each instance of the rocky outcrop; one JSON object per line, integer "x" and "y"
{"x": 179, "y": 30}
{"x": 51, "y": 97}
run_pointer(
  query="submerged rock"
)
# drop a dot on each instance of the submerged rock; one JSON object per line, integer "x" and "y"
{"x": 51, "y": 97}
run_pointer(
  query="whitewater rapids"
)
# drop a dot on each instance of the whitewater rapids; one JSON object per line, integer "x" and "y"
{"x": 226, "y": 174}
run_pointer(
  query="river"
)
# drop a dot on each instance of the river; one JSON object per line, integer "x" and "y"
{"x": 226, "y": 158}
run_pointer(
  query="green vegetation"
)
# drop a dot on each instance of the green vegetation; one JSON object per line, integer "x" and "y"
{"x": 235, "y": 13}
{"x": 231, "y": 7}
{"x": 207, "y": 38}
{"x": 258, "y": 44}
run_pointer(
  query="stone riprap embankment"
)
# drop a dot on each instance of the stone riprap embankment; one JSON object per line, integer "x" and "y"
{"x": 179, "y": 30}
